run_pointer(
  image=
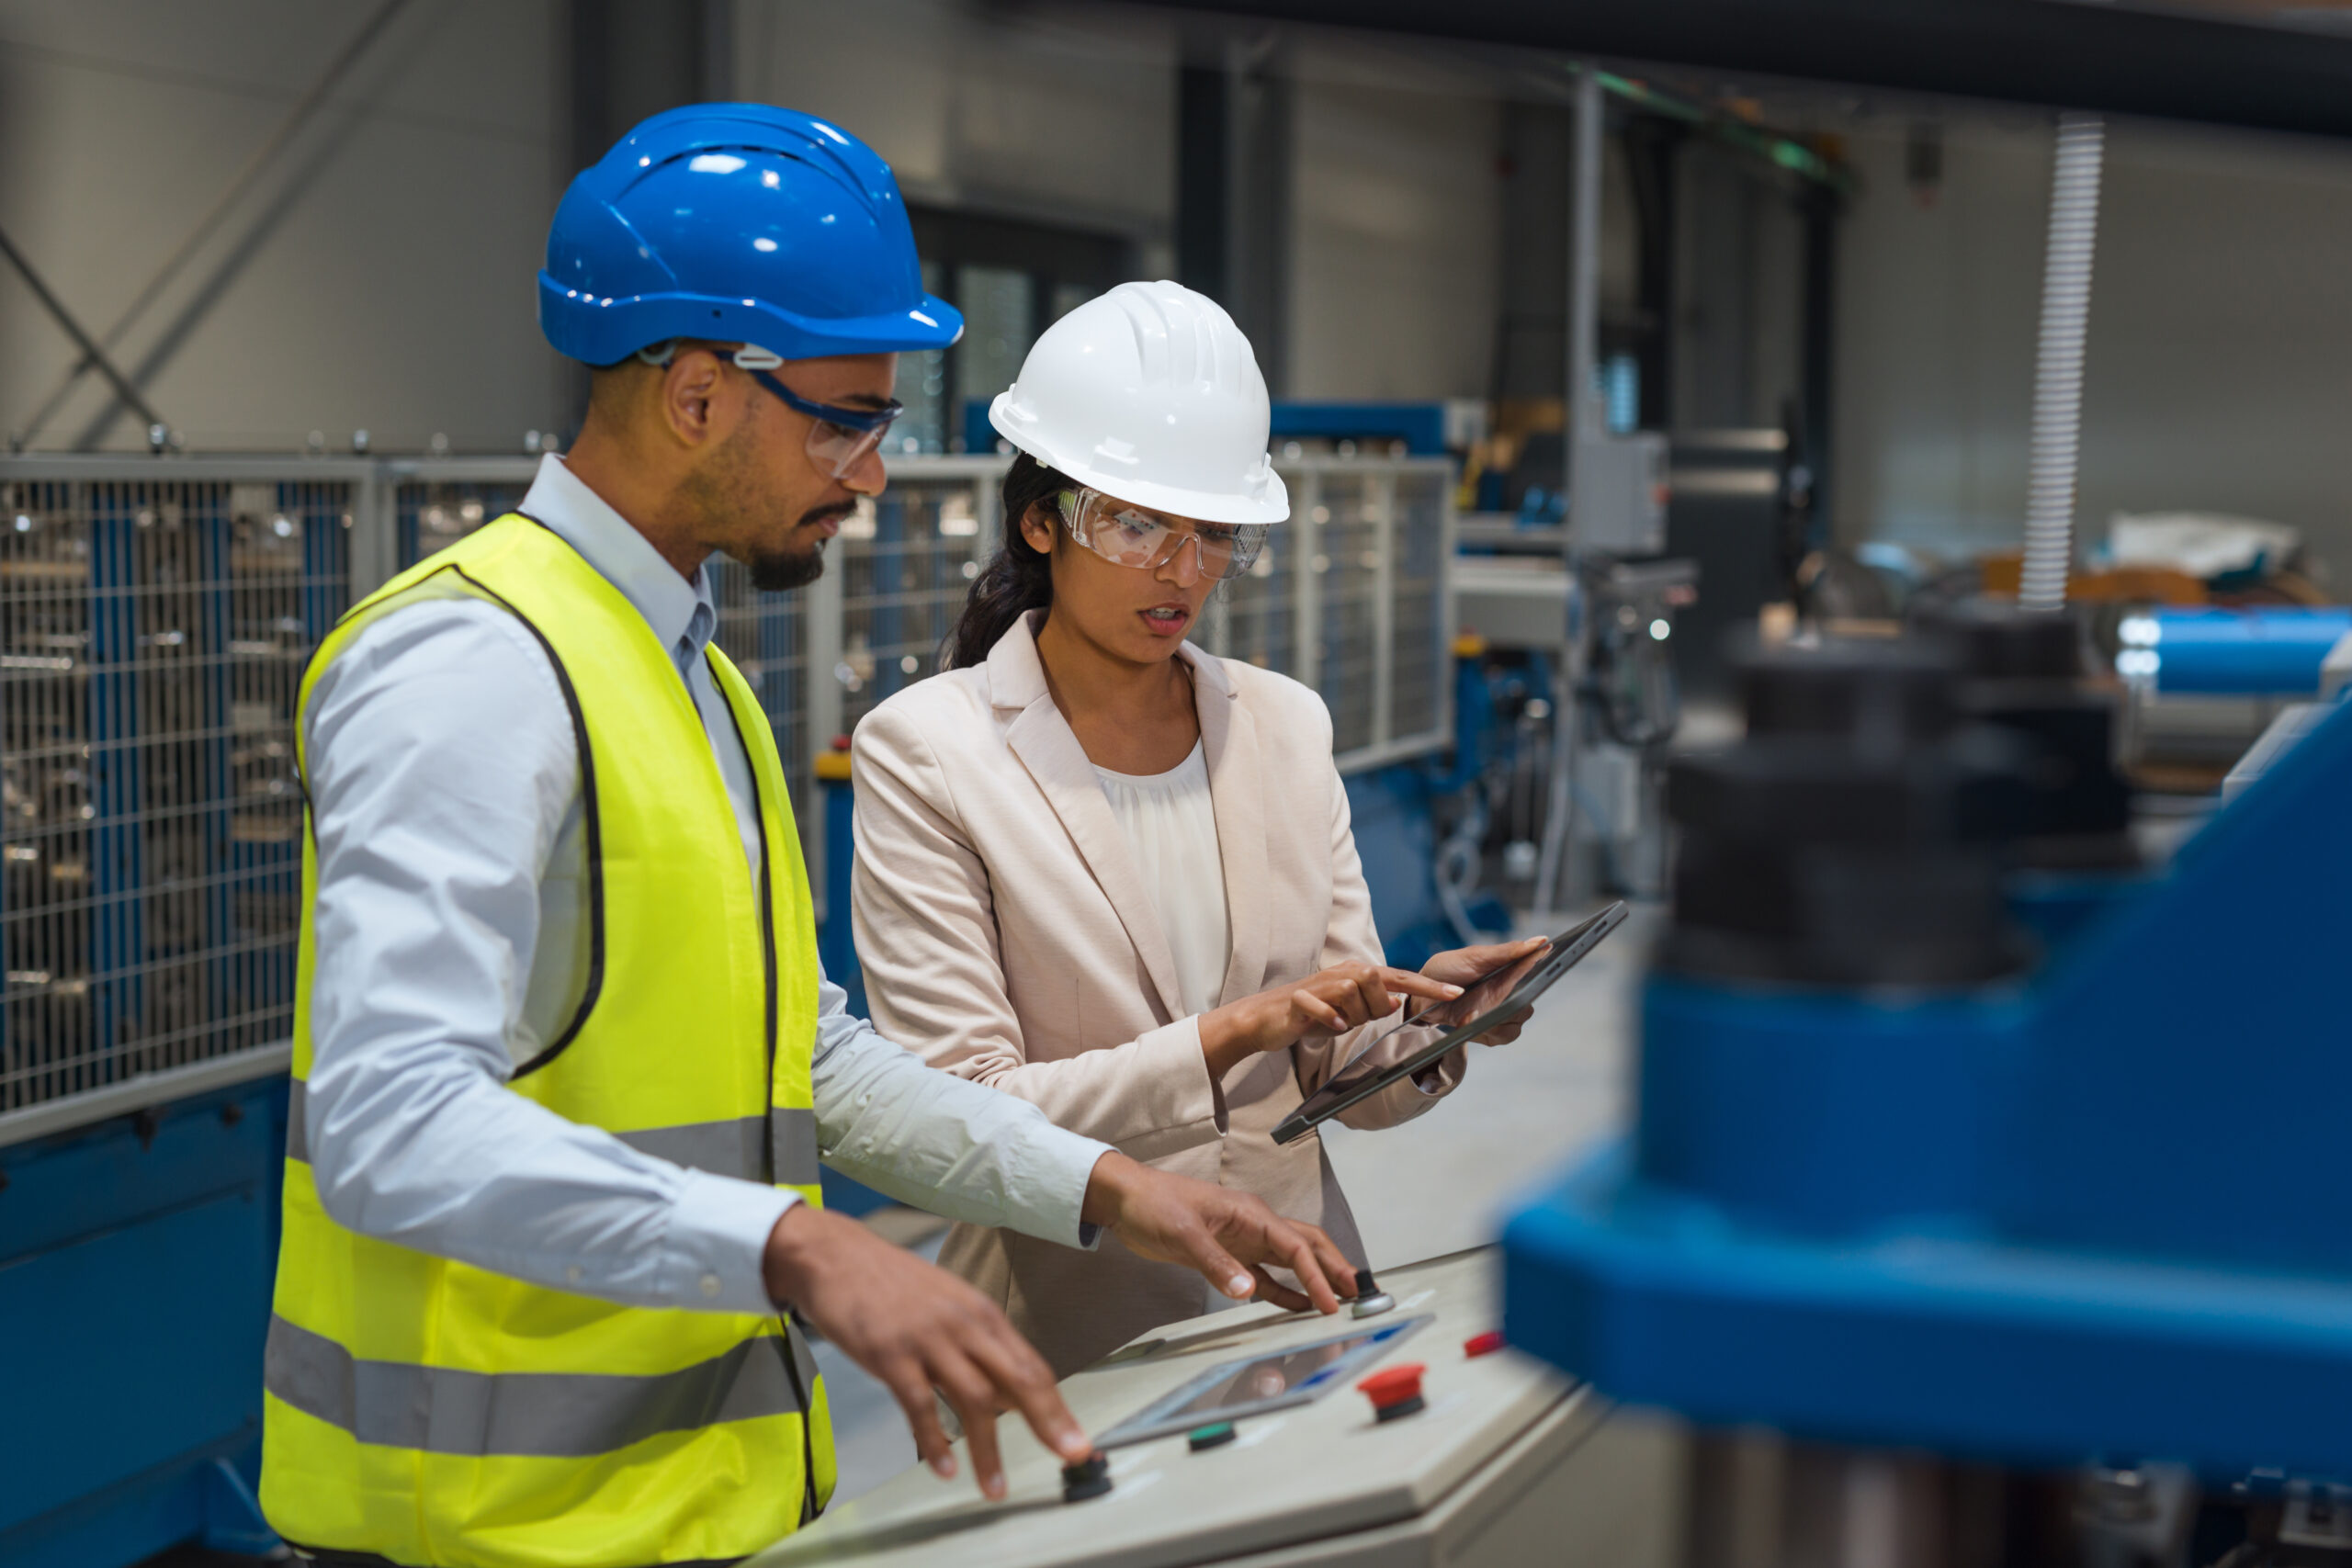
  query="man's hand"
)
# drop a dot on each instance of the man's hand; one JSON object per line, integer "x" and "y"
{"x": 1231, "y": 1237}
{"x": 1466, "y": 966}
{"x": 918, "y": 1328}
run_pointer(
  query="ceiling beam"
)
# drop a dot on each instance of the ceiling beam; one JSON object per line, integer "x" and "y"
{"x": 2058, "y": 52}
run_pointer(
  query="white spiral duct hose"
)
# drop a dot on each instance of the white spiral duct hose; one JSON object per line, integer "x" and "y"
{"x": 2058, "y": 370}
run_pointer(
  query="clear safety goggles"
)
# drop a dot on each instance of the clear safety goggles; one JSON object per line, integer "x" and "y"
{"x": 1138, "y": 537}
{"x": 839, "y": 438}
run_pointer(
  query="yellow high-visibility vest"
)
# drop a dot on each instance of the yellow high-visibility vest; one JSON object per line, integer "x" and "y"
{"x": 433, "y": 1412}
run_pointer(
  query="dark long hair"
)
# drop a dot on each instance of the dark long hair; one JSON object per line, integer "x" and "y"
{"x": 1019, "y": 576}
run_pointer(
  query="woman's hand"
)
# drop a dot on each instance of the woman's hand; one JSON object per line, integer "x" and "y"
{"x": 1464, "y": 965}
{"x": 1331, "y": 1001}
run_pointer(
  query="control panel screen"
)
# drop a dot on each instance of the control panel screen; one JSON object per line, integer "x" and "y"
{"x": 1272, "y": 1381}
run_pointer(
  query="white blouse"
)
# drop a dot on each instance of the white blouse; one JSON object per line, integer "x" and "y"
{"x": 1170, "y": 824}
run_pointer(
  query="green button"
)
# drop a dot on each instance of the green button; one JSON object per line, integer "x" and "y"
{"x": 1212, "y": 1437}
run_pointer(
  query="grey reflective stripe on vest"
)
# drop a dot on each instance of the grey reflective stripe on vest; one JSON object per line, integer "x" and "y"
{"x": 297, "y": 1122}
{"x": 531, "y": 1415}
{"x": 802, "y": 1357}
{"x": 793, "y": 1146}
{"x": 723, "y": 1149}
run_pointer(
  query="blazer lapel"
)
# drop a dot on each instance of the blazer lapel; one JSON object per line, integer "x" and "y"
{"x": 1048, "y": 748}
{"x": 1236, "y": 793}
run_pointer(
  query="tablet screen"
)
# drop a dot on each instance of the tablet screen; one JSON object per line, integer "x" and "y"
{"x": 1431, "y": 1025}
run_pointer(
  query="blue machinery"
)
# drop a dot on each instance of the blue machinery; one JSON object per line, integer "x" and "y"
{"x": 1421, "y": 426}
{"x": 2090, "y": 1209}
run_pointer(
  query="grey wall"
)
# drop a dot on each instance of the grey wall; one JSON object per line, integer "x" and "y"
{"x": 1065, "y": 115}
{"x": 1738, "y": 322}
{"x": 381, "y": 274}
{"x": 1396, "y": 220}
{"x": 2220, "y": 359}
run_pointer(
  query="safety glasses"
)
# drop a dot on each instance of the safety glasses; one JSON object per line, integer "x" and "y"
{"x": 1137, "y": 536}
{"x": 839, "y": 438}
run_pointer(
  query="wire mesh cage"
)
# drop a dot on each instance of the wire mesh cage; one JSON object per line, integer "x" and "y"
{"x": 908, "y": 562}
{"x": 1351, "y": 597}
{"x": 1420, "y": 600}
{"x": 1252, "y": 617}
{"x": 156, "y": 615}
{"x": 152, "y": 635}
{"x": 1351, "y": 543}
{"x": 430, "y": 513}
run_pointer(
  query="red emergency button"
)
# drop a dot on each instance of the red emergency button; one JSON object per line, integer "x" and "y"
{"x": 1484, "y": 1344}
{"x": 1395, "y": 1391}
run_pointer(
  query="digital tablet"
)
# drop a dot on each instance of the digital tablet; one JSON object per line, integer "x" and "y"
{"x": 1445, "y": 1025}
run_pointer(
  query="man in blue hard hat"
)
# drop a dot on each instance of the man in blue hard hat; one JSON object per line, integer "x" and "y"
{"x": 564, "y": 1060}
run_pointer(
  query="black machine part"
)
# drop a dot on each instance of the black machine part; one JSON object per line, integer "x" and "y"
{"x": 1857, "y": 836}
{"x": 2026, "y": 673}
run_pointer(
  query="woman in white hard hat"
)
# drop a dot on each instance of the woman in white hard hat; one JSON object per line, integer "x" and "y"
{"x": 1103, "y": 871}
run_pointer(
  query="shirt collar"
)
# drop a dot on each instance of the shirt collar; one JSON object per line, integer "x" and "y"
{"x": 684, "y": 614}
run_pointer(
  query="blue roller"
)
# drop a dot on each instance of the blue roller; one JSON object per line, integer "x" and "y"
{"x": 2271, "y": 651}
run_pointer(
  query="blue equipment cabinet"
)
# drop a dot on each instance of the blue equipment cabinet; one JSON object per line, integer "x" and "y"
{"x": 135, "y": 1265}
{"x": 1421, "y": 426}
{"x": 2098, "y": 1210}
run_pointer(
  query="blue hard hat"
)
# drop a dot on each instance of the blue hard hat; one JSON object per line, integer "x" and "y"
{"x": 741, "y": 223}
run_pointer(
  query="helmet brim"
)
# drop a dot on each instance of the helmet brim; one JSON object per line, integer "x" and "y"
{"x": 607, "y": 332}
{"x": 1271, "y": 505}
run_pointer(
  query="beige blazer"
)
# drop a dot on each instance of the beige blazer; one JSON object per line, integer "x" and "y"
{"x": 1006, "y": 934}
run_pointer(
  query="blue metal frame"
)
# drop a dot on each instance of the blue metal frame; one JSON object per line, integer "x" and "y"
{"x": 218, "y": 629}
{"x": 2099, "y": 1212}
{"x": 1421, "y": 426}
{"x": 118, "y": 838}
{"x": 136, "y": 1262}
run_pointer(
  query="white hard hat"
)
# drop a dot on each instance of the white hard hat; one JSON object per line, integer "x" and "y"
{"x": 1150, "y": 394}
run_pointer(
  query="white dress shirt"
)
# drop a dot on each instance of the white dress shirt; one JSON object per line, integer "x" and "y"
{"x": 445, "y": 790}
{"x": 1170, "y": 823}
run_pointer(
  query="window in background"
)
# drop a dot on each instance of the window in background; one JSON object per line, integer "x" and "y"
{"x": 999, "y": 323}
{"x": 1010, "y": 279}
{"x": 922, "y": 386}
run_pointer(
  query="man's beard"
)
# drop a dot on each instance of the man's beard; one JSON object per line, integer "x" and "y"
{"x": 728, "y": 489}
{"x": 785, "y": 569}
